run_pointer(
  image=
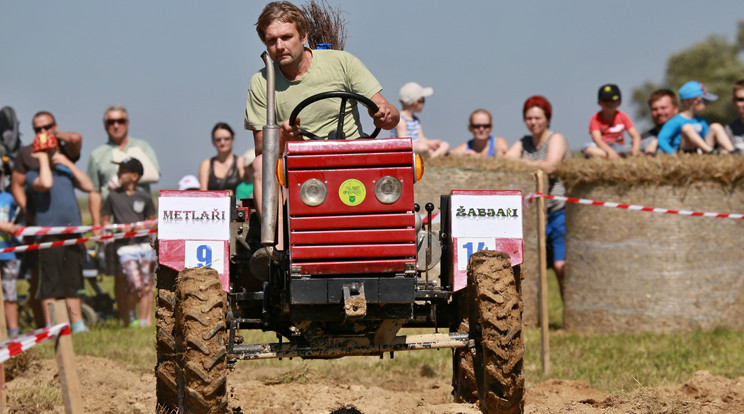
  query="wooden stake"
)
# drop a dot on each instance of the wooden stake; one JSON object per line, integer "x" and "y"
{"x": 66, "y": 361}
{"x": 542, "y": 253}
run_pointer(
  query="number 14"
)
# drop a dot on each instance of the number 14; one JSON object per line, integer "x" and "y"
{"x": 469, "y": 248}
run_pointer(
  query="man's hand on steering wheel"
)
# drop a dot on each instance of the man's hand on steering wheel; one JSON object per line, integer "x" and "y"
{"x": 382, "y": 117}
{"x": 387, "y": 116}
{"x": 291, "y": 132}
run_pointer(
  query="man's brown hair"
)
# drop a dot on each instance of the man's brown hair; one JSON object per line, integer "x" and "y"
{"x": 660, "y": 93}
{"x": 738, "y": 86}
{"x": 40, "y": 113}
{"x": 282, "y": 11}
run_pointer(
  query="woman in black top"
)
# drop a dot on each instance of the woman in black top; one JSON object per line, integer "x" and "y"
{"x": 225, "y": 170}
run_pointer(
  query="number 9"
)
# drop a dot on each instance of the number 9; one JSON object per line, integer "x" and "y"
{"x": 204, "y": 256}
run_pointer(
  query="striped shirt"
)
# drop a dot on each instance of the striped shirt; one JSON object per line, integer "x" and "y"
{"x": 556, "y": 187}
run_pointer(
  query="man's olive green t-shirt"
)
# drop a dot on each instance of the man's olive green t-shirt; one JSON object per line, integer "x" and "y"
{"x": 330, "y": 70}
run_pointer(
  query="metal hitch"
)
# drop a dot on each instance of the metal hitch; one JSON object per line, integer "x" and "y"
{"x": 355, "y": 303}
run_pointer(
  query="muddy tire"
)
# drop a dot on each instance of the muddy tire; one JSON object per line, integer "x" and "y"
{"x": 166, "y": 369}
{"x": 201, "y": 332}
{"x": 464, "y": 387}
{"x": 496, "y": 306}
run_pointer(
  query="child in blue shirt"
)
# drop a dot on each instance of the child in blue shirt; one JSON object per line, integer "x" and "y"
{"x": 688, "y": 131}
{"x": 8, "y": 261}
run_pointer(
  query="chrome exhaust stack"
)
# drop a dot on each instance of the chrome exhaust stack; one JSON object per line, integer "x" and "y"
{"x": 270, "y": 150}
{"x": 262, "y": 257}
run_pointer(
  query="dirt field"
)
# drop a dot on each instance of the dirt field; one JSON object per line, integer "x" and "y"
{"x": 109, "y": 387}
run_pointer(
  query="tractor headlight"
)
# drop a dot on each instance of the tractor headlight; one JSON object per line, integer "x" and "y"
{"x": 388, "y": 189}
{"x": 313, "y": 192}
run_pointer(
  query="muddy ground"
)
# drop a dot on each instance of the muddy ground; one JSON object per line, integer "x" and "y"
{"x": 110, "y": 387}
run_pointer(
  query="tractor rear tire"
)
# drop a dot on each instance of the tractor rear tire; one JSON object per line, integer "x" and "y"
{"x": 201, "y": 328}
{"x": 496, "y": 326}
{"x": 166, "y": 369}
{"x": 465, "y": 389}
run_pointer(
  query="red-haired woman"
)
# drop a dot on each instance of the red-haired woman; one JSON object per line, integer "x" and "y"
{"x": 545, "y": 149}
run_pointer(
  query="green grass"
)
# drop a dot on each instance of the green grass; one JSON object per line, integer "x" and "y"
{"x": 611, "y": 363}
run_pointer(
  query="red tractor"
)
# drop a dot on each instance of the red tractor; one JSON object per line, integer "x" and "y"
{"x": 342, "y": 272}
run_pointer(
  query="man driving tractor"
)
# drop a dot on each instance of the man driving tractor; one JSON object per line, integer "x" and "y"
{"x": 303, "y": 72}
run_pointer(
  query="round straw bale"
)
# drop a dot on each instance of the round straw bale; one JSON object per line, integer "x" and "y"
{"x": 631, "y": 271}
{"x": 441, "y": 175}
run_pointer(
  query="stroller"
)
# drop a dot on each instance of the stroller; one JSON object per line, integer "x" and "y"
{"x": 100, "y": 307}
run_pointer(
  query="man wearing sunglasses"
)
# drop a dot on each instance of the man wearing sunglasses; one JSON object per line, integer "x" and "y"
{"x": 735, "y": 129}
{"x": 69, "y": 145}
{"x": 102, "y": 170}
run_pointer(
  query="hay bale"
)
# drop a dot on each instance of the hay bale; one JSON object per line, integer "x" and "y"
{"x": 630, "y": 271}
{"x": 441, "y": 175}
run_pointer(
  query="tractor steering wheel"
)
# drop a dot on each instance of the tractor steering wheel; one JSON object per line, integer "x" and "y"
{"x": 339, "y": 132}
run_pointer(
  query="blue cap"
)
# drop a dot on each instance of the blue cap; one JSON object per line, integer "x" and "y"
{"x": 695, "y": 89}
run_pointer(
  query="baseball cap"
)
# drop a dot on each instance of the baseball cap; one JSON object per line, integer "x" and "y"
{"x": 188, "y": 182}
{"x": 132, "y": 164}
{"x": 44, "y": 141}
{"x": 412, "y": 92}
{"x": 609, "y": 92}
{"x": 695, "y": 89}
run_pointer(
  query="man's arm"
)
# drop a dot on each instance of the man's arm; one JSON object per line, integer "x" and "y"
{"x": 387, "y": 117}
{"x": 94, "y": 205}
{"x": 73, "y": 143}
{"x": 17, "y": 188}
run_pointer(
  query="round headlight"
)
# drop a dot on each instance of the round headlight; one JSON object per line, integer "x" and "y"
{"x": 388, "y": 189}
{"x": 313, "y": 192}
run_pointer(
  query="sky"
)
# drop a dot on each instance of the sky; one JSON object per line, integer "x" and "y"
{"x": 181, "y": 66}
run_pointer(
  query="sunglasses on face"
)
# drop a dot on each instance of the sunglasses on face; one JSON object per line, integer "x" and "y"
{"x": 44, "y": 128}
{"x": 737, "y": 99}
{"x": 116, "y": 121}
{"x": 476, "y": 126}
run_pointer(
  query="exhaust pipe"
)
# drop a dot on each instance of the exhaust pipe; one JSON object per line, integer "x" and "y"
{"x": 270, "y": 148}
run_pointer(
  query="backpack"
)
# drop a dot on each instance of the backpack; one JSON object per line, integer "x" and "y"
{"x": 10, "y": 140}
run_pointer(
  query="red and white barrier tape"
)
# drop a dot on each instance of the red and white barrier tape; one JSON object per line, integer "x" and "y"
{"x": 434, "y": 218}
{"x": 79, "y": 240}
{"x": 43, "y": 231}
{"x": 14, "y": 346}
{"x": 529, "y": 198}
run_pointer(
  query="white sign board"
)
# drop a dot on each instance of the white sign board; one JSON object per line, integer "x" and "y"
{"x": 484, "y": 220}
{"x": 194, "y": 231}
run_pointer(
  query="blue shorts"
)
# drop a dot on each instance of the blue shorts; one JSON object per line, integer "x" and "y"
{"x": 555, "y": 232}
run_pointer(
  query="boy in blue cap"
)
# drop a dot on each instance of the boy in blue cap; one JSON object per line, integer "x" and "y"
{"x": 688, "y": 131}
